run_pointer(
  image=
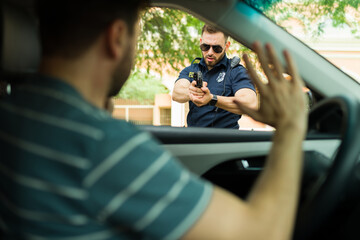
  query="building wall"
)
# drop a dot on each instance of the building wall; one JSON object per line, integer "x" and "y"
{"x": 133, "y": 111}
{"x": 343, "y": 53}
{"x": 162, "y": 110}
{"x": 144, "y": 113}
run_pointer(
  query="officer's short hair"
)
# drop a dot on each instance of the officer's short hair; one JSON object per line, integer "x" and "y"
{"x": 211, "y": 29}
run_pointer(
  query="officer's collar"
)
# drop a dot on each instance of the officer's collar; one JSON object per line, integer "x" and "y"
{"x": 224, "y": 62}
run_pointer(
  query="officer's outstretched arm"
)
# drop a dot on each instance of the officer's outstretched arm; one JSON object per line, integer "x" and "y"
{"x": 245, "y": 96}
{"x": 181, "y": 91}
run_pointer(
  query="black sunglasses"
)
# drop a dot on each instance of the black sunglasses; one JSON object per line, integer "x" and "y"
{"x": 205, "y": 47}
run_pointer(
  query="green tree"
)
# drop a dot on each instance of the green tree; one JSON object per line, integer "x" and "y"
{"x": 314, "y": 14}
{"x": 168, "y": 39}
{"x": 142, "y": 86}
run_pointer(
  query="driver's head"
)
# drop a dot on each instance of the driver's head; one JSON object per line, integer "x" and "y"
{"x": 69, "y": 28}
{"x": 213, "y": 45}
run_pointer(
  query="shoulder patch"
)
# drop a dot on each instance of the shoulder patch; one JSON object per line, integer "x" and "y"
{"x": 191, "y": 74}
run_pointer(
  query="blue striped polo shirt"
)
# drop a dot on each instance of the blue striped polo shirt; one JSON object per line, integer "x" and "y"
{"x": 69, "y": 171}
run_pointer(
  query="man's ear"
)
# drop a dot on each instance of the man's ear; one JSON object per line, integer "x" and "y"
{"x": 200, "y": 40}
{"x": 117, "y": 39}
{"x": 227, "y": 45}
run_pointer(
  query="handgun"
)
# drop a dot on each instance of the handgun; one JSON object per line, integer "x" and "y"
{"x": 198, "y": 78}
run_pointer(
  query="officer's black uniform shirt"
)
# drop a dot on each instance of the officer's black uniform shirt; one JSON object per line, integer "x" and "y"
{"x": 211, "y": 116}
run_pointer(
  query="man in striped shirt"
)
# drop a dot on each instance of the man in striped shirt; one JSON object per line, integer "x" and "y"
{"x": 70, "y": 171}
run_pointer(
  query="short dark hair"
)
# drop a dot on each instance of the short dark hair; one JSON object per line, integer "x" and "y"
{"x": 69, "y": 27}
{"x": 211, "y": 29}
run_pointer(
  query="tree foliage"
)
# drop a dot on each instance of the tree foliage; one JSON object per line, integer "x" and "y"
{"x": 142, "y": 86}
{"x": 168, "y": 39}
{"x": 315, "y": 14}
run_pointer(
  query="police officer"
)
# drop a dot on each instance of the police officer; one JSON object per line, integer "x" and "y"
{"x": 213, "y": 105}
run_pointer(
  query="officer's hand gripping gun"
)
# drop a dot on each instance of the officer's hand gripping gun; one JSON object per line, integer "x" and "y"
{"x": 199, "y": 79}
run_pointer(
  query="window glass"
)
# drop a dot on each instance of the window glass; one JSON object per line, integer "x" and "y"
{"x": 331, "y": 28}
{"x": 169, "y": 41}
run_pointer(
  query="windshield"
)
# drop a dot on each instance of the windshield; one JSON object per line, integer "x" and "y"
{"x": 331, "y": 28}
{"x": 170, "y": 41}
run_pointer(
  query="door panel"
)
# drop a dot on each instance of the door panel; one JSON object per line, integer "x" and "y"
{"x": 201, "y": 149}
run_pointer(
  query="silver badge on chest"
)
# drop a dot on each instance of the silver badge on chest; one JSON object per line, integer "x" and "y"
{"x": 221, "y": 77}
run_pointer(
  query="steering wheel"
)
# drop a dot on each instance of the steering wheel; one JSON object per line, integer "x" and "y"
{"x": 327, "y": 192}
